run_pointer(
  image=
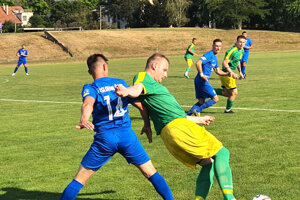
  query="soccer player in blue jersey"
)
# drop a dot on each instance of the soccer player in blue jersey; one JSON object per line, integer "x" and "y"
{"x": 247, "y": 47}
{"x": 114, "y": 134}
{"x": 22, "y": 54}
{"x": 205, "y": 65}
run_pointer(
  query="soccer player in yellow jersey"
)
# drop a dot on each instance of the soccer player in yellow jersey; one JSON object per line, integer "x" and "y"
{"x": 190, "y": 53}
{"x": 189, "y": 143}
{"x": 231, "y": 62}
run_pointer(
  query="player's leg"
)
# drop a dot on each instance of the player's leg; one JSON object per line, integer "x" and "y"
{"x": 131, "y": 148}
{"x": 158, "y": 182}
{"x": 209, "y": 93}
{"x": 25, "y": 67}
{"x": 102, "y": 149}
{"x": 223, "y": 173}
{"x": 231, "y": 100}
{"x": 204, "y": 181}
{"x": 189, "y": 65}
{"x": 195, "y": 107}
{"x": 244, "y": 61}
{"x": 16, "y": 68}
{"x": 199, "y": 95}
{"x": 72, "y": 190}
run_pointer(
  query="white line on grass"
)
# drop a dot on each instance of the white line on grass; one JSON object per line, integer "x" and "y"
{"x": 185, "y": 106}
{"x": 38, "y": 101}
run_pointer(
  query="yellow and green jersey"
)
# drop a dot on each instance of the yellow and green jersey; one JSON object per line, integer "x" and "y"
{"x": 162, "y": 106}
{"x": 188, "y": 55}
{"x": 234, "y": 55}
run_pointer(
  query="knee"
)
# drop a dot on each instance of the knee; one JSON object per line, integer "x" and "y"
{"x": 216, "y": 98}
{"x": 234, "y": 92}
{"x": 147, "y": 169}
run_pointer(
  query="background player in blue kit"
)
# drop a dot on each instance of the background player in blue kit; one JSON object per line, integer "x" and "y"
{"x": 114, "y": 134}
{"x": 22, "y": 54}
{"x": 205, "y": 65}
{"x": 247, "y": 47}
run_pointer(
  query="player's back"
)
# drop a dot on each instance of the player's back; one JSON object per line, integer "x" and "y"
{"x": 110, "y": 111}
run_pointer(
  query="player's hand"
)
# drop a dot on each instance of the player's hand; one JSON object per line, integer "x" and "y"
{"x": 207, "y": 119}
{"x": 121, "y": 91}
{"x": 234, "y": 75}
{"x": 205, "y": 161}
{"x": 205, "y": 78}
{"x": 241, "y": 76}
{"x": 148, "y": 131}
{"x": 85, "y": 124}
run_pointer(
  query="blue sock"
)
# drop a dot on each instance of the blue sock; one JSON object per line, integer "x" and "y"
{"x": 195, "y": 106}
{"x": 16, "y": 69}
{"x": 71, "y": 191}
{"x": 161, "y": 186}
{"x": 206, "y": 105}
{"x": 26, "y": 70}
{"x": 243, "y": 68}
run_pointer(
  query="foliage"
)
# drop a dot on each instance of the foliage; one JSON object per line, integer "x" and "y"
{"x": 8, "y": 27}
{"x": 177, "y": 10}
{"x": 37, "y": 21}
{"x": 232, "y": 14}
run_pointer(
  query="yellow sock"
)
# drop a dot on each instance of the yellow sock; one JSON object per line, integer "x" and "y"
{"x": 199, "y": 198}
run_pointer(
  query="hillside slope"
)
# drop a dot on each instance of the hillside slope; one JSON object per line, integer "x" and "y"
{"x": 136, "y": 42}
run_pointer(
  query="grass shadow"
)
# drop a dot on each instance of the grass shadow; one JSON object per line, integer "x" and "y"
{"x": 12, "y": 193}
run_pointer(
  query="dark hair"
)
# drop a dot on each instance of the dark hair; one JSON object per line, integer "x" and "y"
{"x": 244, "y": 32}
{"x": 156, "y": 56}
{"x": 240, "y": 36}
{"x": 92, "y": 59}
{"x": 217, "y": 40}
{"x": 194, "y": 39}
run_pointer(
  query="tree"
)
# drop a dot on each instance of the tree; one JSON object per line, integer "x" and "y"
{"x": 37, "y": 21}
{"x": 232, "y": 14}
{"x": 39, "y": 7}
{"x": 177, "y": 10}
{"x": 7, "y": 2}
{"x": 8, "y": 27}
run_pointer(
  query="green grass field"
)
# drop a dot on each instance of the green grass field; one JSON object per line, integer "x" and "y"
{"x": 40, "y": 149}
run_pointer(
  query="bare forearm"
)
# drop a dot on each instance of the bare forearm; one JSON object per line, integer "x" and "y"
{"x": 226, "y": 65}
{"x": 144, "y": 112}
{"x": 86, "y": 112}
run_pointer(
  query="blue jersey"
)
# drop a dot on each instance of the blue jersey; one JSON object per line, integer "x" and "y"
{"x": 110, "y": 111}
{"x": 22, "y": 52}
{"x": 209, "y": 62}
{"x": 247, "y": 44}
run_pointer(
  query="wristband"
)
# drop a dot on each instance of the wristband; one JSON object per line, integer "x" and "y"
{"x": 201, "y": 74}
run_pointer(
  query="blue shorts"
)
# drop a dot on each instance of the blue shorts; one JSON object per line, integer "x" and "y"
{"x": 203, "y": 89}
{"x": 107, "y": 143}
{"x": 20, "y": 62}
{"x": 245, "y": 57}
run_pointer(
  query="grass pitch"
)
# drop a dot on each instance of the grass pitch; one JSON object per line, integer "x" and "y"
{"x": 40, "y": 149}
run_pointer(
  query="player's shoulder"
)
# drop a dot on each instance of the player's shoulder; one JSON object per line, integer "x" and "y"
{"x": 118, "y": 81}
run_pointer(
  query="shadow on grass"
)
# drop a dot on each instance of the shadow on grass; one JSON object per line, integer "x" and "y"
{"x": 12, "y": 193}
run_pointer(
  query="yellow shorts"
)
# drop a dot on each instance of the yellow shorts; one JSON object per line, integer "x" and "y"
{"x": 189, "y": 62}
{"x": 188, "y": 142}
{"x": 228, "y": 82}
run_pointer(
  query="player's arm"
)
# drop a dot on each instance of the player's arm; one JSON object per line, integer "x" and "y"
{"x": 226, "y": 66}
{"x": 191, "y": 52}
{"x": 132, "y": 91}
{"x": 220, "y": 72}
{"x": 205, "y": 120}
{"x": 240, "y": 70}
{"x": 18, "y": 54}
{"x": 200, "y": 70}
{"x": 86, "y": 112}
{"x": 145, "y": 115}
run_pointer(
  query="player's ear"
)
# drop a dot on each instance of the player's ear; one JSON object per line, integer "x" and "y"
{"x": 105, "y": 67}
